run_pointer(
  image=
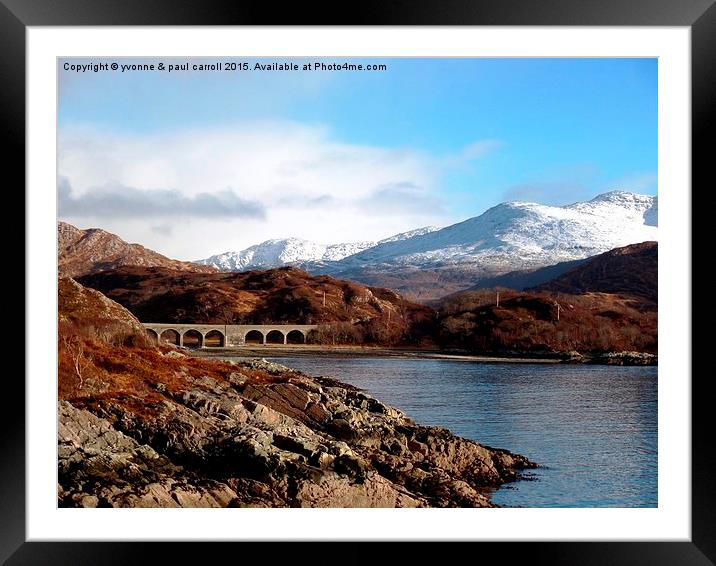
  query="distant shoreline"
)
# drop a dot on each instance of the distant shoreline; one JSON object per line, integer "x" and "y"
{"x": 353, "y": 351}
{"x": 281, "y": 350}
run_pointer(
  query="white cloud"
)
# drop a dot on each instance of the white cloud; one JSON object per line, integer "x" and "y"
{"x": 309, "y": 185}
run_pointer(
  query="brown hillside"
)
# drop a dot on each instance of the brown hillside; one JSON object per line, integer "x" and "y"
{"x": 527, "y": 322}
{"x": 104, "y": 352}
{"x": 285, "y": 295}
{"x": 631, "y": 271}
{"x": 80, "y": 252}
{"x": 87, "y": 307}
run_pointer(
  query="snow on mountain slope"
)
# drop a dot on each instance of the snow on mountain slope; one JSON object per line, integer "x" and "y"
{"x": 286, "y": 251}
{"x": 409, "y": 234}
{"x": 507, "y": 237}
{"x": 518, "y": 235}
{"x": 271, "y": 253}
{"x": 631, "y": 206}
{"x": 295, "y": 251}
{"x": 336, "y": 252}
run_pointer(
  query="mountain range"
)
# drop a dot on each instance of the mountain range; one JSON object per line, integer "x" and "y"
{"x": 428, "y": 263}
{"x": 608, "y": 301}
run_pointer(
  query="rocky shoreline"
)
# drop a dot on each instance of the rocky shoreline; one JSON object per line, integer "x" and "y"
{"x": 286, "y": 440}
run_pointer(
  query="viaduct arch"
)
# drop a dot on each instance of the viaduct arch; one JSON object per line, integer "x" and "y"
{"x": 227, "y": 335}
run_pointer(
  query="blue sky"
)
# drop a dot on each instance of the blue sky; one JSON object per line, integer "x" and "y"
{"x": 447, "y": 137}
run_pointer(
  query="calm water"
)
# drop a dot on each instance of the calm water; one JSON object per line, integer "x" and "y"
{"x": 594, "y": 428}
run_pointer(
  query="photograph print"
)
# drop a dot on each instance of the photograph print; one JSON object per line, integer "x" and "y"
{"x": 357, "y": 282}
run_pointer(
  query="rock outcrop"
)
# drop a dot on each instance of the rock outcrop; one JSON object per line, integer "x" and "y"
{"x": 295, "y": 442}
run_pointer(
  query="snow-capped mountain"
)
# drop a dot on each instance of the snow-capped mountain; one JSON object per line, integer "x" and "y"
{"x": 510, "y": 237}
{"x": 295, "y": 251}
{"x": 429, "y": 262}
{"x": 520, "y": 235}
{"x": 285, "y": 251}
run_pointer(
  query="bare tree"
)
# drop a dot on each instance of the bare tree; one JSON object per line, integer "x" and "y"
{"x": 81, "y": 361}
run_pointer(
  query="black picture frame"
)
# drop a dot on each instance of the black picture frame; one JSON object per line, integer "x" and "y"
{"x": 17, "y": 15}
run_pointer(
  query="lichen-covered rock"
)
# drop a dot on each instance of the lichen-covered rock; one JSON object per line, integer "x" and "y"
{"x": 99, "y": 466}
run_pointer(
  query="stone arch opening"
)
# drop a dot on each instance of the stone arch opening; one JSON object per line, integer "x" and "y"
{"x": 275, "y": 337}
{"x": 170, "y": 336}
{"x": 295, "y": 337}
{"x": 254, "y": 337}
{"x": 214, "y": 339}
{"x": 192, "y": 339}
{"x": 152, "y": 334}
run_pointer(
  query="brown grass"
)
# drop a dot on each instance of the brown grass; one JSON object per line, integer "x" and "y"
{"x": 137, "y": 377}
{"x": 104, "y": 355}
{"x": 593, "y": 322}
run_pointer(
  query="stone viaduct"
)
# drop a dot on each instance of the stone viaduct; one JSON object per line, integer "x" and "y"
{"x": 228, "y": 335}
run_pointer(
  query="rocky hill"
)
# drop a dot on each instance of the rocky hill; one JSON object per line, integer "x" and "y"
{"x": 81, "y": 306}
{"x": 144, "y": 425}
{"x": 361, "y": 314}
{"x": 80, "y": 252}
{"x": 631, "y": 271}
{"x": 607, "y": 303}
